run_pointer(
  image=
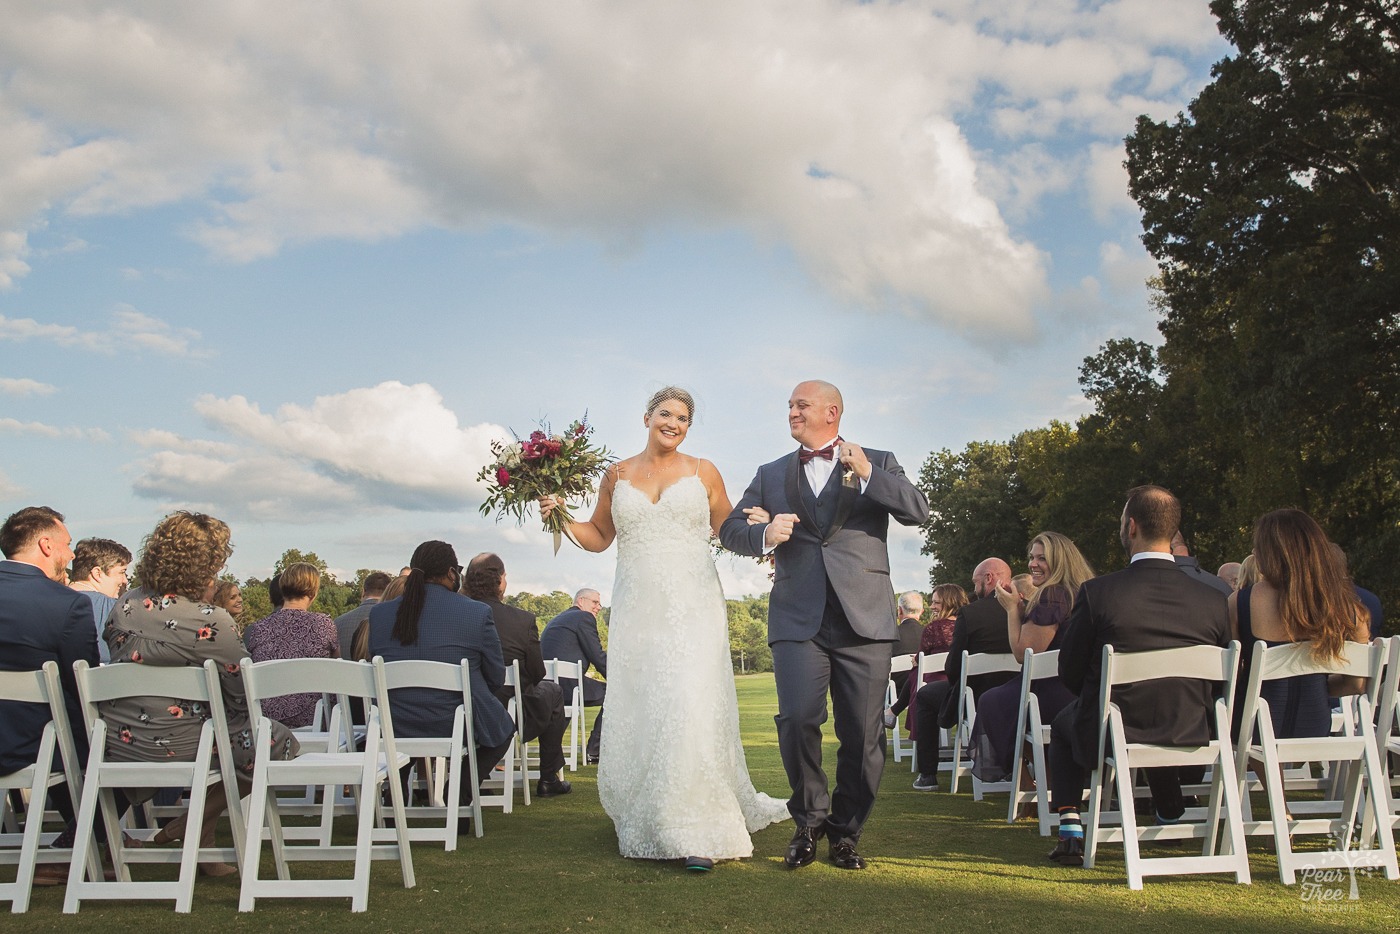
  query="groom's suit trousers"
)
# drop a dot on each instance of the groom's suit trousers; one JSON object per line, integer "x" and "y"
{"x": 855, "y": 670}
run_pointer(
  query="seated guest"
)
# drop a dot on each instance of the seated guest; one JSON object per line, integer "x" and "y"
{"x": 1024, "y": 585}
{"x": 980, "y": 627}
{"x": 41, "y": 621}
{"x": 936, "y": 637}
{"x": 359, "y": 641}
{"x": 1146, "y": 606}
{"x": 1303, "y": 595}
{"x": 1188, "y": 565}
{"x": 99, "y": 573}
{"x": 294, "y": 632}
{"x": 1370, "y": 601}
{"x": 432, "y": 622}
{"x": 910, "y": 608}
{"x": 520, "y": 642}
{"x": 1229, "y": 572}
{"x": 371, "y": 592}
{"x": 228, "y": 596}
{"x": 1057, "y": 571}
{"x": 164, "y": 623}
{"x": 1249, "y": 573}
{"x": 573, "y": 636}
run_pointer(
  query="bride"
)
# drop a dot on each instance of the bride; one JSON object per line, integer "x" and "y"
{"x": 671, "y": 773}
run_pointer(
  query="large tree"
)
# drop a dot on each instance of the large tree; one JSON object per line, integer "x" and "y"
{"x": 1273, "y": 209}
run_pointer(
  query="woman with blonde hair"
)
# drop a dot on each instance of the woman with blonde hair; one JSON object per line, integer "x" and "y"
{"x": 1302, "y": 595}
{"x": 1057, "y": 571}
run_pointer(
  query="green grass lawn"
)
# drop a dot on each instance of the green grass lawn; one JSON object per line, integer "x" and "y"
{"x": 938, "y": 863}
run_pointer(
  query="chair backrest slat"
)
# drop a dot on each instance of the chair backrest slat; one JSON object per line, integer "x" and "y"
{"x": 1287, "y": 661}
{"x": 25, "y": 687}
{"x": 1044, "y": 665}
{"x": 903, "y": 662}
{"x": 985, "y": 663}
{"x": 1204, "y": 662}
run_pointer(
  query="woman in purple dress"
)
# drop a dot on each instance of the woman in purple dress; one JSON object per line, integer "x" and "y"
{"x": 293, "y": 631}
{"x": 1057, "y": 570}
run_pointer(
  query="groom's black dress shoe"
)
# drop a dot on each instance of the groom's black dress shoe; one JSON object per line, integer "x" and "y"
{"x": 844, "y": 856}
{"x": 1069, "y": 851}
{"x": 802, "y": 849}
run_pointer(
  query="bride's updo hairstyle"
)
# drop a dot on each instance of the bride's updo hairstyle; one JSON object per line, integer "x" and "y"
{"x": 430, "y": 561}
{"x": 672, "y": 392}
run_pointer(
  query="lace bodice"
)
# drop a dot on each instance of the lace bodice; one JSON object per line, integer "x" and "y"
{"x": 672, "y": 774}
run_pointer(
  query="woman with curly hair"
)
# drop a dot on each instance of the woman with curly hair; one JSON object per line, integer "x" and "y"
{"x": 293, "y": 631}
{"x": 1302, "y": 595}
{"x": 164, "y": 622}
{"x": 1057, "y": 571}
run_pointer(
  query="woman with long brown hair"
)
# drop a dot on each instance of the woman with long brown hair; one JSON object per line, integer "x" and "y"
{"x": 1302, "y": 595}
{"x": 1057, "y": 571}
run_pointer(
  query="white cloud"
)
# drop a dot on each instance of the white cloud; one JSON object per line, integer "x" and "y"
{"x": 8, "y": 488}
{"x": 25, "y": 387}
{"x": 834, "y": 128}
{"x": 41, "y": 430}
{"x": 130, "y": 328}
{"x": 390, "y": 446}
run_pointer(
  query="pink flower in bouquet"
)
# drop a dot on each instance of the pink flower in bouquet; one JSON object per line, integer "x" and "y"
{"x": 553, "y": 447}
{"x": 502, "y": 476}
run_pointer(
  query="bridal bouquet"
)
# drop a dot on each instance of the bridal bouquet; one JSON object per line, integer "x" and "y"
{"x": 565, "y": 465}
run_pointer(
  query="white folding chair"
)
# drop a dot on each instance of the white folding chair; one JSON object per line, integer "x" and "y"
{"x": 926, "y": 665}
{"x": 367, "y": 770}
{"x": 443, "y": 810}
{"x": 556, "y": 669}
{"x": 514, "y": 769}
{"x": 1363, "y": 779}
{"x": 900, "y": 663}
{"x": 983, "y": 663}
{"x": 1387, "y": 730}
{"x": 199, "y": 685}
{"x": 20, "y": 844}
{"x": 1032, "y": 734}
{"x": 1118, "y": 759}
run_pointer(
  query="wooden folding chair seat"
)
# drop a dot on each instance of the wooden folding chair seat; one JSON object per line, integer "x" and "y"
{"x": 1362, "y": 779}
{"x": 1034, "y": 734}
{"x": 437, "y": 820}
{"x": 24, "y": 842}
{"x": 1117, "y": 759}
{"x": 368, "y": 770}
{"x": 103, "y": 776}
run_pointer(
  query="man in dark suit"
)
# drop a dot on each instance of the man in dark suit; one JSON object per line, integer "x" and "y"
{"x": 910, "y": 634}
{"x": 1147, "y": 606}
{"x": 979, "y": 627}
{"x": 41, "y": 620}
{"x": 520, "y": 642}
{"x": 346, "y": 623}
{"x": 831, "y": 614}
{"x": 573, "y": 636}
{"x": 1181, "y": 554}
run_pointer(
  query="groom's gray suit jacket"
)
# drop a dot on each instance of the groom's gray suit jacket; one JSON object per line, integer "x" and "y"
{"x": 840, "y": 537}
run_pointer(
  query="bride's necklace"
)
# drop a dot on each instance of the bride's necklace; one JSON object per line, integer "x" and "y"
{"x": 663, "y": 469}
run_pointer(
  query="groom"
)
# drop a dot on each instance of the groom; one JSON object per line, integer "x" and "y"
{"x": 831, "y": 614}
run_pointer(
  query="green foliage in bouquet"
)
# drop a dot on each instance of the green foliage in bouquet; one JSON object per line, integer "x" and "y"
{"x": 565, "y": 465}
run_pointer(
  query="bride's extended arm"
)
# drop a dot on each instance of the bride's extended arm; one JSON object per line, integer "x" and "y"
{"x": 720, "y": 507}
{"x": 598, "y": 532}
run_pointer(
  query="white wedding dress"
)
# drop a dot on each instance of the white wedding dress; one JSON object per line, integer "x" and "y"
{"x": 671, "y": 773}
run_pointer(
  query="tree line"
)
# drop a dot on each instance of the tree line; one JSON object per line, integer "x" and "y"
{"x": 1272, "y": 207}
{"x": 747, "y": 616}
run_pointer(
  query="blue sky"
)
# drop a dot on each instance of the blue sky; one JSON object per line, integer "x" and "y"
{"x": 296, "y": 264}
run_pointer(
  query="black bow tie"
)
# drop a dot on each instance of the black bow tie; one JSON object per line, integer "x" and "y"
{"x": 827, "y": 453}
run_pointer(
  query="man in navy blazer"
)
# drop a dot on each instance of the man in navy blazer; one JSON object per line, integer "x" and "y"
{"x": 1148, "y": 605}
{"x": 831, "y": 616}
{"x": 40, "y": 621}
{"x": 573, "y": 636}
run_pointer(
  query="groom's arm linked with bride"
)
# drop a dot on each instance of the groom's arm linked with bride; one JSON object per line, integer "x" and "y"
{"x": 831, "y": 614}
